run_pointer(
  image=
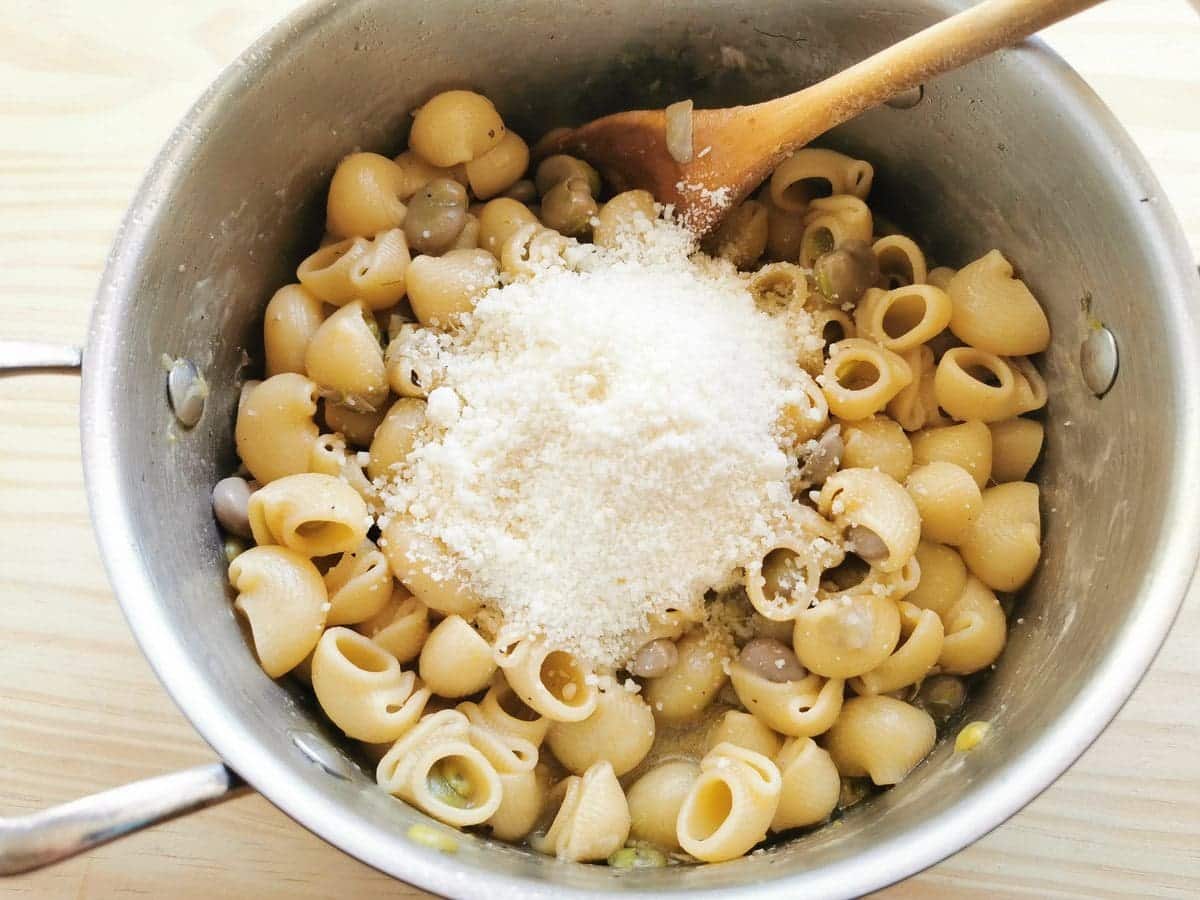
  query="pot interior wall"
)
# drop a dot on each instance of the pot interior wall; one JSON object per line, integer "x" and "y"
{"x": 990, "y": 158}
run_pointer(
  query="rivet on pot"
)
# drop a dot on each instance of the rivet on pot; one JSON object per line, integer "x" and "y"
{"x": 187, "y": 390}
{"x": 324, "y": 755}
{"x": 1098, "y": 360}
{"x": 907, "y": 99}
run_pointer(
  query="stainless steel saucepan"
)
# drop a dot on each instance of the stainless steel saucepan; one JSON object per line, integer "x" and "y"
{"x": 1013, "y": 151}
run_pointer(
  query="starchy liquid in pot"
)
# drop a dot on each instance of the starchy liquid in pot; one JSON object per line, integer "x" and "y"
{"x": 628, "y": 549}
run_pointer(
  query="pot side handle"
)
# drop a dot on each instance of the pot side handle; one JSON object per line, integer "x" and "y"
{"x": 38, "y": 839}
{"x": 24, "y": 357}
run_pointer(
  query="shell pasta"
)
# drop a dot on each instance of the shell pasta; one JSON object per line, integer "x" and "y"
{"x": 617, "y": 545}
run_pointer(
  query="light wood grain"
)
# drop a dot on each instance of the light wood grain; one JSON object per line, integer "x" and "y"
{"x": 90, "y": 91}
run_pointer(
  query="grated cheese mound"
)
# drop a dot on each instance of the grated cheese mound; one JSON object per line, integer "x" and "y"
{"x": 615, "y": 452}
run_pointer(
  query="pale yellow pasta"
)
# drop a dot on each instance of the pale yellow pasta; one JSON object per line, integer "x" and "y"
{"x": 688, "y": 688}
{"x": 921, "y": 636}
{"x": 499, "y": 219}
{"x": 330, "y": 456}
{"x": 628, "y": 212}
{"x": 1029, "y": 391}
{"x": 368, "y": 269}
{"x": 522, "y": 796}
{"x": 809, "y": 785}
{"x": 968, "y": 445}
{"x": 356, "y": 426}
{"x": 415, "y": 173}
{"x": 438, "y": 769}
{"x": 316, "y": 515}
{"x": 831, "y": 221}
{"x": 786, "y": 579}
{"x": 947, "y": 499}
{"x": 1004, "y": 544}
{"x": 275, "y": 430}
{"x": 655, "y": 800}
{"x": 620, "y": 732}
{"x": 743, "y": 730}
{"x": 974, "y": 384}
{"x": 292, "y": 318}
{"x": 468, "y": 238}
{"x": 916, "y": 406}
{"x": 814, "y": 172}
{"x": 400, "y": 628}
{"x": 362, "y": 689}
{"x": 441, "y": 288}
{"x": 861, "y": 378}
{"x": 455, "y": 127}
{"x": 423, "y": 566}
{"x": 553, "y": 683}
{"x": 532, "y": 248}
{"x": 359, "y": 586}
{"x": 345, "y": 360}
{"x": 504, "y": 712}
{"x": 283, "y": 598}
{"x": 901, "y": 262}
{"x": 976, "y": 631}
{"x": 778, "y": 286}
{"x": 412, "y": 360}
{"x": 364, "y": 196}
{"x": 1016, "y": 446}
{"x": 495, "y": 171}
{"x": 741, "y": 238}
{"x": 904, "y": 318}
{"x": 864, "y": 500}
{"x": 455, "y": 660}
{"x": 847, "y": 636}
{"x": 785, "y": 230}
{"x": 820, "y": 325}
{"x": 877, "y": 443}
{"x": 943, "y": 577}
{"x": 940, "y": 277}
{"x": 395, "y": 436}
{"x": 806, "y": 707}
{"x": 730, "y": 805}
{"x": 805, "y": 411}
{"x": 881, "y": 738}
{"x": 995, "y": 312}
{"x": 592, "y": 819}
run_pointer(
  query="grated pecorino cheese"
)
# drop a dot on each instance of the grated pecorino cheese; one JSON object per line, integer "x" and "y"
{"x": 616, "y": 452}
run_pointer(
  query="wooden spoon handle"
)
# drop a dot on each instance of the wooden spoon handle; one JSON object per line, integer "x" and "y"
{"x": 949, "y": 44}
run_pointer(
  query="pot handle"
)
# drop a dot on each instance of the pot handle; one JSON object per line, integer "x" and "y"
{"x": 38, "y": 839}
{"x": 18, "y": 357}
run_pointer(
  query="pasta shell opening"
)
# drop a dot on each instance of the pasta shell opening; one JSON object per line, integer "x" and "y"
{"x": 856, "y": 374}
{"x": 711, "y": 805}
{"x": 564, "y": 678}
{"x": 364, "y": 654}
{"x": 903, "y": 314}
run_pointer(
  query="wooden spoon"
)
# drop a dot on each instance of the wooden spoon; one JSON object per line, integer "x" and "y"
{"x": 735, "y": 149}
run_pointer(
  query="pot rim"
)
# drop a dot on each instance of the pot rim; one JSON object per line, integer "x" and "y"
{"x": 1016, "y": 784}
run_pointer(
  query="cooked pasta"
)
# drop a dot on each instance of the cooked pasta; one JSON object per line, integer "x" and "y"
{"x": 809, "y": 785}
{"x": 730, "y": 805}
{"x": 620, "y": 731}
{"x": 292, "y": 318}
{"x": 417, "y": 506}
{"x": 281, "y": 594}
{"x": 881, "y": 738}
{"x": 592, "y": 820}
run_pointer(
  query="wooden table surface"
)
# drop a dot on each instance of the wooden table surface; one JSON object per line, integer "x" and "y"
{"x": 90, "y": 91}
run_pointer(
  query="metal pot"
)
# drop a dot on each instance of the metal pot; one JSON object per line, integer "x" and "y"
{"x": 1013, "y": 151}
